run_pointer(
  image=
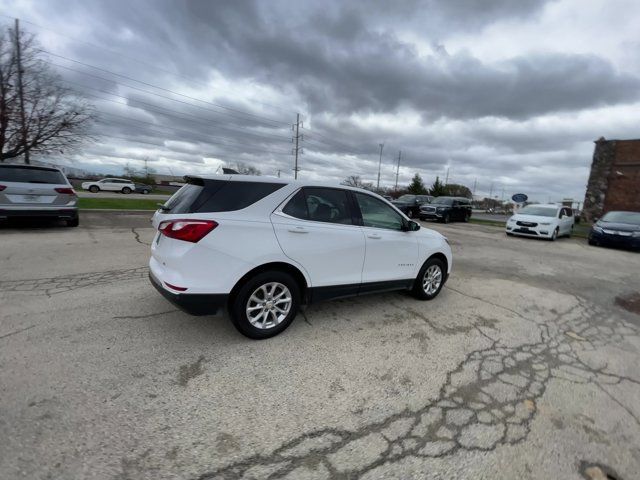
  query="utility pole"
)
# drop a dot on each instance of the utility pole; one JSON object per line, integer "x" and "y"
{"x": 379, "y": 166}
{"x": 475, "y": 182}
{"x": 297, "y": 149}
{"x": 398, "y": 168}
{"x": 446, "y": 181}
{"x": 278, "y": 173}
{"x": 21, "y": 93}
{"x": 491, "y": 191}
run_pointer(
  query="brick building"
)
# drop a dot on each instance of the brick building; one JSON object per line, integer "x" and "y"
{"x": 614, "y": 182}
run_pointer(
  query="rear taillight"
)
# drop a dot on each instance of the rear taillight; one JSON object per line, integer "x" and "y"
{"x": 187, "y": 230}
{"x": 65, "y": 191}
{"x": 2, "y": 187}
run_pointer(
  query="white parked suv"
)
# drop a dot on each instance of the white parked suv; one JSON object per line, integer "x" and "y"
{"x": 110, "y": 185}
{"x": 542, "y": 221}
{"x": 262, "y": 246}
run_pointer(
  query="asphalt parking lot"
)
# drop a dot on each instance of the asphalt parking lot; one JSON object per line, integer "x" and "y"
{"x": 526, "y": 366}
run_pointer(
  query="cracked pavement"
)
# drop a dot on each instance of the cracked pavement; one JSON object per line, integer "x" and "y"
{"x": 524, "y": 367}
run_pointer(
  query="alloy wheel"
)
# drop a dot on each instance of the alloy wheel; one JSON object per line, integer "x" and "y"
{"x": 268, "y": 305}
{"x": 432, "y": 279}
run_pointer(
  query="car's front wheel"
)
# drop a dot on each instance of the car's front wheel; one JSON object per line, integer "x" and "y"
{"x": 446, "y": 218}
{"x": 554, "y": 235}
{"x": 430, "y": 279}
{"x": 265, "y": 305}
{"x": 410, "y": 213}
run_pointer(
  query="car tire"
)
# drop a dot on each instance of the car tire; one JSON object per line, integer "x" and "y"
{"x": 126, "y": 190}
{"x": 593, "y": 243}
{"x": 424, "y": 287}
{"x": 94, "y": 189}
{"x": 509, "y": 234}
{"x": 467, "y": 217}
{"x": 146, "y": 192}
{"x": 446, "y": 218}
{"x": 74, "y": 222}
{"x": 258, "y": 288}
{"x": 554, "y": 236}
{"x": 410, "y": 213}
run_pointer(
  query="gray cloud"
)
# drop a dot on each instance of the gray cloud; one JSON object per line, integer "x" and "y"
{"x": 344, "y": 65}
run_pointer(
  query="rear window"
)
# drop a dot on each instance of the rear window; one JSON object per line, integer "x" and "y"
{"x": 218, "y": 196}
{"x": 31, "y": 175}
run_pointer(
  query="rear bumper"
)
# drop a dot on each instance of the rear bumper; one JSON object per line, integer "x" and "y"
{"x": 38, "y": 212}
{"x": 192, "y": 303}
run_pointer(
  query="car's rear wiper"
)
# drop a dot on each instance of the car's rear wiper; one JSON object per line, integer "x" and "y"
{"x": 163, "y": 207}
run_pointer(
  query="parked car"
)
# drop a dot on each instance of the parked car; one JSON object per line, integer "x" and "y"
{"x": 410, "y": 204}
{"x": 447, "y": 209}
{"x": 143, "y": 188}
{"x": 261, "y": 247}
{"x": 110, "y": 185}
{"x": 34, "y": 191}
{"x": 542, "y": 221}
{"x": 617, "y": 229}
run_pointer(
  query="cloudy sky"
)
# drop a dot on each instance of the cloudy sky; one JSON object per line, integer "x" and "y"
{"x": 507, "y": 95}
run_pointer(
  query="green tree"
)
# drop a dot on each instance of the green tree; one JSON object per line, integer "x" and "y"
{"x": 416, "y": 187}
{"x": 455, "y": 190}
{"x": 437, "y": 189}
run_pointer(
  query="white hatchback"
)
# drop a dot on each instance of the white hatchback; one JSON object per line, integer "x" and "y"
{"x": 542, "y": 221}
{"x": 262, "y": 246}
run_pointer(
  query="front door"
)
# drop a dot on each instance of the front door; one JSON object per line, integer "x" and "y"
{"x": 316, "y": 230}
{"x": 391, "y": 252}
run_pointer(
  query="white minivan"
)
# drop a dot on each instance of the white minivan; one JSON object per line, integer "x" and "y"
{"x": 542, "y": 221}
{"x": 262, "y": 246}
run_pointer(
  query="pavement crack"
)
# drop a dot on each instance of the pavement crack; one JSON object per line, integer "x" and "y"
{"x": 17, "y": 331}
{"x": 150, "y": 315}
{"x": 136, "y": 235}
{"x": 489, "y": 399}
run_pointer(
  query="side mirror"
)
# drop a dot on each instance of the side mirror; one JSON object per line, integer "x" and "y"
{"x": 411, "y": 226}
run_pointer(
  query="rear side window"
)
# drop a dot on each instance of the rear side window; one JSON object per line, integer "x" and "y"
{"x": 31, "y": 175}
{"x": 330, "y": 205}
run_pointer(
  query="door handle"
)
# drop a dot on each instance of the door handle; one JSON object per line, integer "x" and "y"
{"x": 374, "y": 236}
{"x": 298, "y": 230}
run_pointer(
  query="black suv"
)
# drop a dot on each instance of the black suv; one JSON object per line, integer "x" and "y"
{"x": 410, "y": 204}
{"x": 447, "y": 209}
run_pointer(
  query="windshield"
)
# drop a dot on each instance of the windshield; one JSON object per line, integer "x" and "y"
{"x": 406, "y": 198}
{"x": 442, "y": 201}
{"x": 539, "y": 211}
{"x": 622, "y": 217}
{"x": 31, "y": 175}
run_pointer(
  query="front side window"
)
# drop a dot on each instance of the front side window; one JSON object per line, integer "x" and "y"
{"x": 378, "y": 214}
{"x": 328, "y": 205}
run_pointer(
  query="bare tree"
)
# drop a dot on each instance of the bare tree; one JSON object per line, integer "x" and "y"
{"x": 245, "y": 169}
{"x": 56, "y": 119}
{"x": 356, "y": 181}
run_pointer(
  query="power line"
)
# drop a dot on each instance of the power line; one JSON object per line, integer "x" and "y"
{"x": 188, "y": 132}
{"x": 153, "y": 107}
{"x": 258, "y": 117}
{"x": 137, "y": 60}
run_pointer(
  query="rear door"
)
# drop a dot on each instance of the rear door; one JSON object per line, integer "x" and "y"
{"x": 391, "y": 252}
{"x": 316, "y": 229}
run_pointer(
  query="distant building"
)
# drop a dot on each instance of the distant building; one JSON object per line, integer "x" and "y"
{"x": 614, "y": 182}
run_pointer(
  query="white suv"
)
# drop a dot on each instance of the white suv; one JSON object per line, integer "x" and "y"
{"x": 262, "y": 246}
{"x": 110, "y": 185}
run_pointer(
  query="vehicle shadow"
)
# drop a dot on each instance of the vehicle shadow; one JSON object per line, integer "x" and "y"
{"x": 32, "y": 224}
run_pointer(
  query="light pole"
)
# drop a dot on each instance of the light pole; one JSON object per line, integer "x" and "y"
{"x": 379, "y": 165}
